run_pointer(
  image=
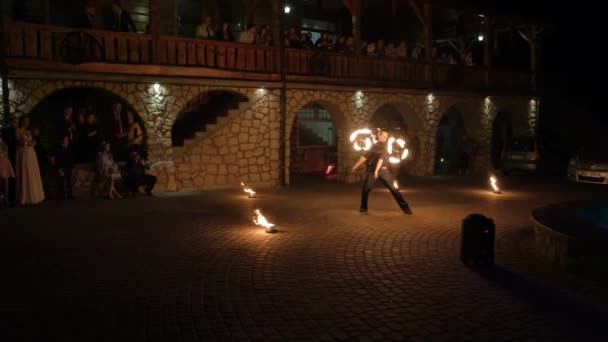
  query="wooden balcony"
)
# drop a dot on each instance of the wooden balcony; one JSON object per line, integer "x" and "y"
{"x": 40, "y": 47}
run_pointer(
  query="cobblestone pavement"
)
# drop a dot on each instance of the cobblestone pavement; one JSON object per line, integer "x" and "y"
{"x": 185, "y": 267}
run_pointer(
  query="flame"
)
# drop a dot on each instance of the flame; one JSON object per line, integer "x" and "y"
{"x": 357, "y": 142}
{"x": 248, "y": 190}
{"x": 389, "y": 148}
{"x": 260, "y": 220}
{"x": 493, "y": 182}
{"x": 395, "y": 184}
{"x": 329, "y": 169}
{"x": 405, "y": 153}
{"x": 394, "y": 160}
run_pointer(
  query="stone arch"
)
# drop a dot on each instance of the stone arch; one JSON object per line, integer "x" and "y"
{"x": 87, "y": 99}
{"x": 202, "y": 109}
{"x": 518, "y": 114}
{"x": 470, "y": 111}
{"x": 340, "y": 126}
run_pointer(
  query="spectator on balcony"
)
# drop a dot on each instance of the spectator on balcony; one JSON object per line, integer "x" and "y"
{"x": 294, "y": 39}
{"x": 121, "y": 20}
{"x": 371, "y": 49}
{"x": 380, "y": 48}
{"x": 264, "y": 37}
{"x": 390, "y": 50}
{"x": 340, "y": 44}
{"x": 451, "y": 60}
{"x": 349, "y": 46}
{"x": 323, "y": 43}
{"x": 468, "y": 59}
{"x": 307, "y": 41}
{"x": 205, "y": 29}
{"x": 87, "y": 19}
{"x": 364, "y": 47}
{"x": 248, "y": 37}
{"x": 225, "y": 35}
{"x": 401, "y": 50}
{"x": 417, "y": 52}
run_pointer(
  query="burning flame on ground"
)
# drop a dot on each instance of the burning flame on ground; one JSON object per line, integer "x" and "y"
{"x": 493, "y": 182}
{"x": 358, "y": 141}
{"x": 248, "y": 190}
{"x": 260, "y": 220}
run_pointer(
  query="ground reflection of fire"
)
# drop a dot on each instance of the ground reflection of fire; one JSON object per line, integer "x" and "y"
{"x": 261, "y": 220}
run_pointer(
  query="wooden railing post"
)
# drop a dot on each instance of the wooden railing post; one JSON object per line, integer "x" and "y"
{"x": 428, "y": 38}
{"x": 154, "y": 22}
{"x": 488, "y": 48}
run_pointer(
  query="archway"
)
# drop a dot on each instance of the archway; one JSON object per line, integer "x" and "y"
{"x": 449, "y": 142}
{"x": 125, "y": 131}
{"x": 508, "y": 122}
{"x": 204, "y": 109}
{"x": 400, "y": 121}
{"x": 313, "y": 142}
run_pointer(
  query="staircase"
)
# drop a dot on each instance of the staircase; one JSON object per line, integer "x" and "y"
{"x": 217, "y": 109}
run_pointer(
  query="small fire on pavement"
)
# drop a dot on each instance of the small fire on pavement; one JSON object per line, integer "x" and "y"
{"x": 261, "y": 220}
{"x": 248, "y": 190}
{"x": 494, "y": 184}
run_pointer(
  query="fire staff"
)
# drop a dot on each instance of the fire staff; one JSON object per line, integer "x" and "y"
{"x": 376, "y": 161}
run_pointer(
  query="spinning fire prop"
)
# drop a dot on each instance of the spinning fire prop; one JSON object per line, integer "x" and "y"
{"x": 401, "y": 152}
{"x": 395, "y": 184}
{"x": 260, "y": 220}
{"x": 362, "y": 139}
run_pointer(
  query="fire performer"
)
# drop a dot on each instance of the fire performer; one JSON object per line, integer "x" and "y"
{"x": 376, "y": 161}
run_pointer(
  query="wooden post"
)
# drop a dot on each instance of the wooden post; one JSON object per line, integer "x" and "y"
{"x": 533, "y": 55}
{"x": 277, "y": 32}
{"x": 428, "y": 31}
{"x": 356, "y": 18}
{"x": 489, "y": 42}
{"x": 277, "y": 35}
{"x": 6, "y": 108}
{"x": 154, "y": 22}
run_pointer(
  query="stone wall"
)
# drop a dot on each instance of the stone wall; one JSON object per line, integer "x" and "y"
{"x": 245, "y": 145}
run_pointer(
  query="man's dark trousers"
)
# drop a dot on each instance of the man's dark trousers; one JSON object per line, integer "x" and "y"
{"x": 387, "y": 179}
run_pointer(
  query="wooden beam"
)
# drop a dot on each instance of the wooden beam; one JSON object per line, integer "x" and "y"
{"x": 416, "y": 7}
{"x": 489, "y": 42}
{"x": 428, "y": 31}
{"x": 394, "y": 8}
{"x": 349, "y": 4}
{"x": 277, "y": 36}
{"x": 356, "y": 17}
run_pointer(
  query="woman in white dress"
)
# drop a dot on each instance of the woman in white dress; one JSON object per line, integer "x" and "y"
{"x": 29, "y": 183}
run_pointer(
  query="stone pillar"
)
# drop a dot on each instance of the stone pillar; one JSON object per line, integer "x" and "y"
{"x": 483, "y": 159}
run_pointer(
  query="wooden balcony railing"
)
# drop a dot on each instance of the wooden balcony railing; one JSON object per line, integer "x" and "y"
{"x": 62, "y": 45}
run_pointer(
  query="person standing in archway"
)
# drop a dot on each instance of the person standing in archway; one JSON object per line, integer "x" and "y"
{"x": 376, "y": 161}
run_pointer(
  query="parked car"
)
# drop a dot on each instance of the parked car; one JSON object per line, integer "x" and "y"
{"x": 589, "y": 166}
{"x": 520, "y": 154}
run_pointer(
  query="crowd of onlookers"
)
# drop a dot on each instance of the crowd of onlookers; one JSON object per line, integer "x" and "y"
{"x": 119, "y": 19}
{"x": 117, "y": 152}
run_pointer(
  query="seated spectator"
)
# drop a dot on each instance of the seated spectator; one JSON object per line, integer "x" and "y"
{"x": 137, "y": 175}
{"x": 417, "y": 52}
{"x": 401, "y": 50}
{"x": 451, "y": 60}
{"x": 108, "y": 169}
{"x": 205, "y": 29}
{"x": 225, "y": 35}
{"x": 390, "y": 50}
{"x": 468, "y": 59}
{"x": 364, "y": 47}
{"x": 86, "y": 20}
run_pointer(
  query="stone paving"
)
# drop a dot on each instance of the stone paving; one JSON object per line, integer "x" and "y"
{"x": 192, "y": 266}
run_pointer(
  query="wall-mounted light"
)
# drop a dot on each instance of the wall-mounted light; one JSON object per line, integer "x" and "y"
{"x": 480, "y": 38}
{"x": 156, "y": 87}
{"x": 287, "y": 9}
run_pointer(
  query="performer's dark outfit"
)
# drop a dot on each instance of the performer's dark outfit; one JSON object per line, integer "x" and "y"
{"x": 371, "y": 161}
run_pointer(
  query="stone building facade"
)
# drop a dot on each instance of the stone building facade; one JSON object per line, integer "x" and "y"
{"x": 245, "y": 146}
